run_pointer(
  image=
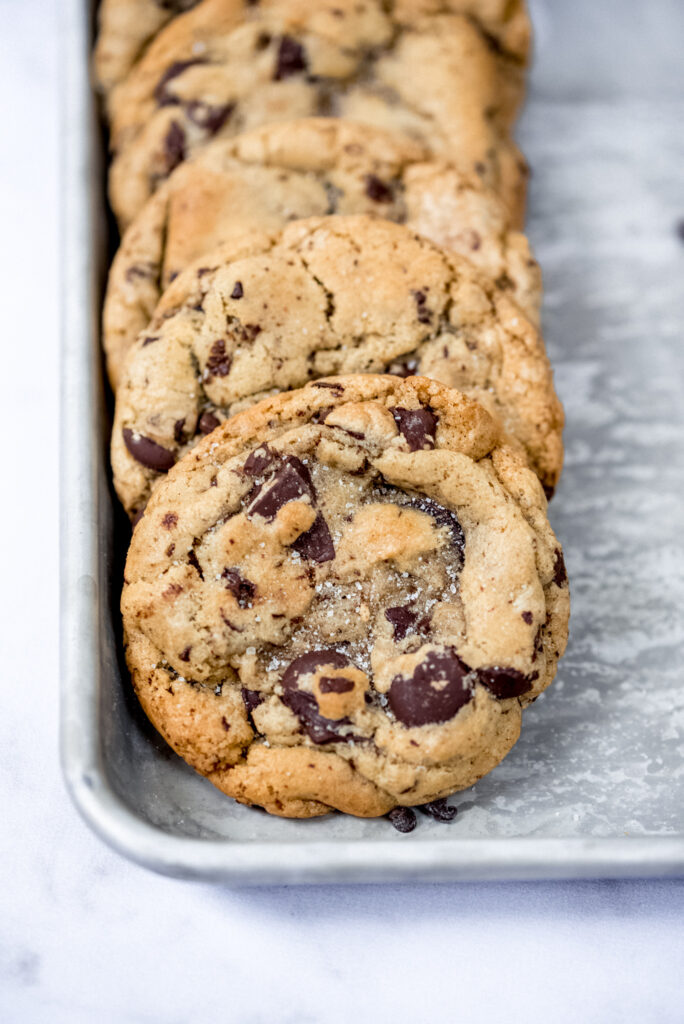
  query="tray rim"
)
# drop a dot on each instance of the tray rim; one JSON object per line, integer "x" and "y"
{"x": 82, "y": 586}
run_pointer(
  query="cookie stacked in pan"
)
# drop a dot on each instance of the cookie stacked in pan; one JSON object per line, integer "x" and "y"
{"x": 335, "y": 417}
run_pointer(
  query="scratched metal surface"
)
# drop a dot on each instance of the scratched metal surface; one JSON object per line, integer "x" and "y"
{"x": 602, "y": 752}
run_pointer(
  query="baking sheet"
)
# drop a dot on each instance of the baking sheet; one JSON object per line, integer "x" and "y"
{"x": 596, "y": 784}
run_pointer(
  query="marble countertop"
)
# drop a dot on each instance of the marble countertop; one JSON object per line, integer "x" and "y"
{"x": 86, "y": 936}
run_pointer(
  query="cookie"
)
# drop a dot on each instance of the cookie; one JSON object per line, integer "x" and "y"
{"x": 344, "y": 598}
{"x": 436, "y": 78}
{"x": 334, "y": 295}
{"x": 262, "y": 180}
{"x": 125, "y": 27}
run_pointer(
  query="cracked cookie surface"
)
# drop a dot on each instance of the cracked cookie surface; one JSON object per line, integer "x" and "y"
{"x": 333, "y": 295}
{"x": 264, "y": 179}
{"x": 220, "y": 70}
{"x": 344, "y": 598}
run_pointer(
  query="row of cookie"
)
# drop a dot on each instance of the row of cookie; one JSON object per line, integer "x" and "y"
{"x": 290, "y": 636}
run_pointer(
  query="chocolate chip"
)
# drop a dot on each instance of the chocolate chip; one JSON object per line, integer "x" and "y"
{"x": 378, "y": 190}
{"x": 210, "y": 119}
{"x": 439, "y": 810}
{"x": 418, "y": 426}
{"x": 505, "y": 682}
{"x": 174, "y": 147}
{"x": 423, "y": 313}
{"x": 337, "y": 388}
{"x": 242, "y": 589}
{"x": 219, "y": 363}
{"x": 406, "y": 367}
{"x": 527, "y": 617}
{"x": 194, "y": 562}
{"x": 403, "y": 819}
{"x": 335, "y": 684}
{"x": 560, "y": 576}
{"x": 225, "y": 723}
{"x": 316, "y": 544}
{"x": 291, "y": 481}
{"x": 290, "y": 60}
{"x": 416, "y": 701}
{"x": 161, "y": 94}
{"x": 403, "y": 620}
{"x": 208, "y": 422}
{"x": 258, "y": 461}
{"x": 237, "y": 291}
{"x": 251, "y": 699}
{"x": 147, "y": 452}
{"x": 179, "y": 432}
{"x": 185, "y": 654}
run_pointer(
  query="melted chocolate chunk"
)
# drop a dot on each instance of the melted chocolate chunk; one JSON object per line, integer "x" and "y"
{"x": 291, "y": 481}
{"x": 316, "y": 544}
{"x": 174, "y": 147}
{"x": 258, "y": 461}
{"x": 208, "y": 422}
{"x": 219, "y": 362}
{"x": 403, "y": 818}
{"x": 378, "y": 190}
{"x": 403, "y": 620}
{"x": 439, "y": 810}
{"x": 179, "y": 431}
{"x": 185, "y": 654}
{"x": 290, "y": 60}
{"x": 505, "y": 682}
{"x": 147, "y": 452}
{"x": 416, "y": 701}
{"x": 237, "y": 291}
{"x": 162, "y": 95}
{"x": 251, "y": 699}
{"x": 330, "y": 385}
{"x": 335, "y": 684}
{"x": 319, "y": 729}
{"x": 560, "y": 576}
{"x": 194, "y": 562}
{"x": 443, "y": 517}
{"x": 418, "y": 426}
{"x": 210, "y": 119}
{"x": 243, "y": 590}
{"x": 309, "y": 662}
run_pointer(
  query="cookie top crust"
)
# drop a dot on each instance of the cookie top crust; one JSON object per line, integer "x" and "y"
{"x": 125, "y": 27}
{"x": 333, "y": 295}
{"x": 215, "y": 72}
{"x": 344, "y": 597}
{"x": 264, "y": 179}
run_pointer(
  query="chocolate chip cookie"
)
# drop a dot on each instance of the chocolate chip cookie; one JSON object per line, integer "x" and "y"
{"x": 344, "y": 598}
{"x": 282, "y": 172}
{"x": 421, "y": 71}
{"x": 334, "y": 295}
{"x": 125, "y": 29}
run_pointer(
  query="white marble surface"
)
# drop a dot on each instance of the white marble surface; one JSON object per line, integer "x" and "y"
{"x": 86, "y": 936}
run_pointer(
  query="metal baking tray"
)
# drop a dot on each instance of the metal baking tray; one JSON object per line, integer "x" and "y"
{"x": 595, "y": 787}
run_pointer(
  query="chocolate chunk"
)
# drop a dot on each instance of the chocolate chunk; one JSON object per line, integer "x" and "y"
{"x": 147, "y": 452}
{"x": 251, "y": 699}
{"x": 291, "y": 481}
{"x": 219, "y": 362}
{"x": 505, "y": 682}
{"x": 418, "y": 426}
{"x": 242, "y": 589}
{"x": 185, "y": 654}
{"x": 405, "y": 367}
{"x": 403, "y": 620}
{"x": 210, "y": 119}
{"x": 319, "y": 729}
{"x": 378, "y": 190}
{"x": 423, "y": 313}
{"x": 527, "y": 618}
{"x": 208, "y": 422}
{"x": 416, "y": 701}
{"x": 316, "y": 544}
{"x": 560, "y": 576}
{"x": 174, "y": 147}
{"x": 194, "y": 562}
{"x": 335, "y": 684}
{"x": 337, "y": 388}
{"x": 439, "y": 810}
{"x": 443, "y": 517}
{"x": 162, "y": 95}
{"x": 309, "y": 662}
{"x": 290, "y": 60}
{"x": 179, "y": 432}
{"x": 237, "y": 291}
{"x": 403, "y": 819}
{"x": 258, "y": 461}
